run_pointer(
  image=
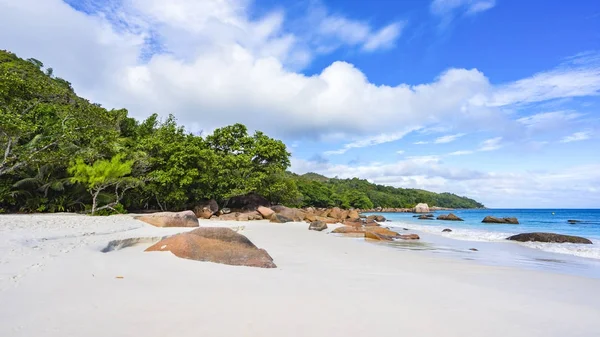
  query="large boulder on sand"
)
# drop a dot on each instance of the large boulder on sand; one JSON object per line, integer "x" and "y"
{"x": 215, "y": 244}
{"x": 206, "y": 208}
{"x": 247, "y": 202}
{"x": 491, "y": 219}
{"x": 317, "y": 226}
{"x": 170, "y": 219}
{"x": 291, "y": 213}
{"x": 265, "y": 211}
{"x": 449, "y": 217}
{"x": 421, "y": 208}
{"x": 548, "y": 237}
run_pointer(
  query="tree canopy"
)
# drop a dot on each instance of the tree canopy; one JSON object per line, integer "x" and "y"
{"x": 60, "y": 152}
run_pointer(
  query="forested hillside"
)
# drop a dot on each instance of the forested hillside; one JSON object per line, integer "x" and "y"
{"x": 60, "y": 152}
{"x": 321, "y": 191}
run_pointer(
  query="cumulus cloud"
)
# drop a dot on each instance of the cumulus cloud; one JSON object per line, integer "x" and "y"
{"x": 213, "y": 64}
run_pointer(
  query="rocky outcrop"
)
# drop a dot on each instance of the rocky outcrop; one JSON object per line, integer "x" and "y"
{"x": 446, "y": 230}
{"x": 291, "y": 213}
{"x": 353, "y": 214}
{"x": 378, "y": 218}
{"x": 409, "y": 237}
{"x": 317, "y": 226}
{"x": 382, "y": 231}
{"x": 205, "y": 209}
{"x": 421, "y": 208}
{"x": 353, "y": 222}
{"x": 229, "y": 216}
{"x": 170, "y": 219}
{"x": 425, "y": 217}
{"x": 348, "y": 230}
{"x": 280, "y": 218}
{"x": 265, "y": 211}
{"x": 215, "y": 244}
{"x": 248, "y": 202}
{"x": 491, "y": 219}
{"x": 549, "y": 237}
{"x": 449, "y": 217}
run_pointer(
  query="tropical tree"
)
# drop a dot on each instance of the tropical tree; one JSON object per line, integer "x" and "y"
{"x": 104, "y": 174}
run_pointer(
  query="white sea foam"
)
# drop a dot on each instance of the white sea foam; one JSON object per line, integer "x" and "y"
{"x": 581, "y": 250}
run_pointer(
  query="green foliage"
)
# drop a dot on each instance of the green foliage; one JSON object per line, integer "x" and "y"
{"x": 317, "y": 190}
{"x": 102, "y": 175}
{"x": 61, "y": 153}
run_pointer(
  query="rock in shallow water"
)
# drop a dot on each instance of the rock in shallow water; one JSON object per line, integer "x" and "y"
{"x": 215, "y": 244}
{"x": 549, "y": 237}
{"x": 449, "y": 217}
{"x": 446, "y": 230}
{"x": 491, "y": 219}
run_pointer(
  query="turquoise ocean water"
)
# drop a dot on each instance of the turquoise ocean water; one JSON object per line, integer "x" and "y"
{"x": 493, "y": 248}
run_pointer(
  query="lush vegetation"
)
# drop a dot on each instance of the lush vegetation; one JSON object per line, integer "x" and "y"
{"x": 60, "y": 152}
{"x": 320, "y": 191}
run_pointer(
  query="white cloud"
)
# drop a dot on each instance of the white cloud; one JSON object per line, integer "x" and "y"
{"x": 421, "y": 142}
{"x": 400, "y": 152}
{"x": 469, "y": 7}
{"x": 217, "y": 65}
{"x": 460, "y": 153}
{"x": 577, "y": 136}
{"x": 578, "y": 77}
{"x": 490, "y": 144}
{"x": 370, "y": 141}
{"x": 548, "y": 120}
{"x": 448, "y": 138}
{"x": 385, "y": 37}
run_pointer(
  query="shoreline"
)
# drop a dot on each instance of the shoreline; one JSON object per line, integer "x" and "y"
{"x": 545, "y": 257}
{"x": 324, "y": 285}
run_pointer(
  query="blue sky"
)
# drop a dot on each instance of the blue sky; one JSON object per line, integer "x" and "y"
{"x": 492, "y": 99}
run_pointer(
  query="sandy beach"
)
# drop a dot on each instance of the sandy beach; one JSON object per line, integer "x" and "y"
{"x": 56, "y": 281}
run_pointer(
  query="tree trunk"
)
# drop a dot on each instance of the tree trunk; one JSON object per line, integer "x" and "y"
{"x": 94, "y": 197}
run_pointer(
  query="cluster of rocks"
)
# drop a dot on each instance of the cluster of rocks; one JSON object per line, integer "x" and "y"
{"x": 445, "y": 217}
{"x": 253, "y": 207}
{"x": 419, "y": 208}
{"x": 370, "y": 229}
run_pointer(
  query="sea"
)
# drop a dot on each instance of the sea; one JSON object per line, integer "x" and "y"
{"x": 486, "y": 243}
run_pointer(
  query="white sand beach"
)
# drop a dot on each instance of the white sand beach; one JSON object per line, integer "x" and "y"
{"x": 55, "y": 281}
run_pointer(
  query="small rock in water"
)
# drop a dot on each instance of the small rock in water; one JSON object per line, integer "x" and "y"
{"x": 573, "y": 221}
{"x": 446, "y": 230}
{"x": 474, "y": 249}
{"x": 405, "y": 229}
